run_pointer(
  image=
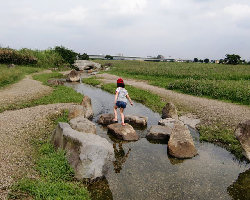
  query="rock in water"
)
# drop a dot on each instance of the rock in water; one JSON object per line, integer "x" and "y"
{"x": 181, "y": 144}
{"x": 87, "y": 106}
{"x": 136, "y": 120}
{"x": 157, "y": 132}
{"x": 88, "y": 154}
{"x": 167, "y": 122}
{"x": 126, "y": 132}
{"x": 169, "y": 111}
{"x": 73, "y": 76}
{"x": 242, "y": 133}
{"x": 106, "y": 119}
{"x": 82, "y": 124}
{"x": 76, "y": 111}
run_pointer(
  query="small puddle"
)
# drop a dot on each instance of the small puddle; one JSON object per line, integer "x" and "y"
{"x": 143, "y": 169}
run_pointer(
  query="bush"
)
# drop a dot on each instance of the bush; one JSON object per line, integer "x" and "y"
{"x": 11, "y": 56}
{"x": 68, "y": 55}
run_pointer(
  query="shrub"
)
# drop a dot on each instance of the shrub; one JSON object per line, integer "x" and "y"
{"x": 9, "y": 56}
{"x": 68, "y": 55}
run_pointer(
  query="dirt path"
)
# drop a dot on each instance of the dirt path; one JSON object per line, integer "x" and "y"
{"x": 208, "y": 110}
{"x": 25, "y": 90}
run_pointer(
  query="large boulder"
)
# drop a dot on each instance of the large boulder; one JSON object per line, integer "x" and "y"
{"x": 87, "y": 106}
{"x": 242, "y": 133}
{"x": 181, "y": 144}
{"x": 106, "y": 119}
{"x": 170, "y": 122}
{"x": 86, "y": 65}
{"x": 126, "y": 132}
{"x": 136, "y": 120}
{"x": 88, "y": 154}
{"x": 73, "y": 76}
{"x": 169, "y": 111}
{"x": 82, "y": 124}
{"x": 157, "y": 132}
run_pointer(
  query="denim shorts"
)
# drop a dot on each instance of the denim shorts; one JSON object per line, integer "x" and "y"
{"x": 121, "y": 104}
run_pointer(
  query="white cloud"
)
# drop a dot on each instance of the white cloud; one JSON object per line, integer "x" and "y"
{"x": 238, "y": 11}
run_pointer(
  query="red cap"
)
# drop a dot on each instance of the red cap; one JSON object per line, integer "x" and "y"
{"x": 119, "y": 80}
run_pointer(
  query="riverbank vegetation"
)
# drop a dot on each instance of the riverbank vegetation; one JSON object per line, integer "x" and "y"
{"x": 224, "y": 82}
{"x": 55, "y": 177}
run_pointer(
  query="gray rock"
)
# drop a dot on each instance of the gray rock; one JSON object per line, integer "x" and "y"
{"x": 87, "y": 106}
{"x": 181, "y": 144}
{"x": 106, "y": 119}
{"x": 11, "y": 66}
{"x": 88, "y": 154}
{"x": 157, "y": 132}
{"x": 73, "y": 76}
{"x": 242, "y": 134}
{"x": 190, "y": 120}
{"x": 82, "y": 124}
{"x": 167, "y": 122}
{"x": 136, "y": 120}
{"x": 86, "y": 65}
{"x": 169, "y": 111}
{"x": 126, "y": 132}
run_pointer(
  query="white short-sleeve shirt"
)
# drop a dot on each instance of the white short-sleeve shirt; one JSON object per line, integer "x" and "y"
{"x": 122, "y": 92}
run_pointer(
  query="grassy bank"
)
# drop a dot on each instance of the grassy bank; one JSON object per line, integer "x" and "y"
{"x": 224, "y": 82}
{"x": 60, "y": 94}
{"x": 216, "y": 133}
{"x": 12, "y": 75}
{"x": 55, "y": 177}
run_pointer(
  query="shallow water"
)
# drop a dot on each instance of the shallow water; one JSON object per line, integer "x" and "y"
{"x": 144, "y": 170}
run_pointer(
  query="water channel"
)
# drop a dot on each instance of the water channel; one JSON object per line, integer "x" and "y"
{"x": 144, "y": 170}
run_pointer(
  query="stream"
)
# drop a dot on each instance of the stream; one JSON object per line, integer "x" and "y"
{"x": 144, "y": 170}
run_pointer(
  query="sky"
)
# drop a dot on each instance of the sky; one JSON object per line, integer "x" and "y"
{"x": 173, "y": 28}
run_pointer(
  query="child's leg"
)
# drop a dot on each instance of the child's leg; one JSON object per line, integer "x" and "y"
{"x": 122, "y": 115}
{"x": 115, "y": 112}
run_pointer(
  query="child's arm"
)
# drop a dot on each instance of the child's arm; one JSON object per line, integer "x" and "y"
{"x": 116, "y": 95}
{"x": 129, "y": 100}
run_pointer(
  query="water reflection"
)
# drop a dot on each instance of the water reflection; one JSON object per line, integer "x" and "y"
{"x": 240, "y": 189}
{"x": 120, "y": 157}
{"x": 100, "y": 190}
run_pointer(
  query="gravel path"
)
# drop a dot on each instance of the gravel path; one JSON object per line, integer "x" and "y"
{"x": 208, "y": 110}
{"x": 25, "y": 90}
{"x": 17, "y": 128}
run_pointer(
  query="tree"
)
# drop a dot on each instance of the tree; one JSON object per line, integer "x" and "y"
{"x": 232, "y": 59}
{"x": 83, "y": 56}
{"x": 201, "y": 61}
{"x": 196, "y": 60}
{"x": 109, "y": 57}
{"x": 206, "y": 60}
{"x": 68, "y": 55}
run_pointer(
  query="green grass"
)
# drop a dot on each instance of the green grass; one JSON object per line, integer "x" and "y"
{"x": 60, "y": 94}
{"x": 223, "y": 136}
{"x": 12, "y": 75}
{"x": 91, "y": 81}
{"x": 224, "y": 82}
{"x": 55, "y": 179}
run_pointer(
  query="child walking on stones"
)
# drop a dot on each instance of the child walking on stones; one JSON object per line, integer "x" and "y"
{"x": 121, "y": 96}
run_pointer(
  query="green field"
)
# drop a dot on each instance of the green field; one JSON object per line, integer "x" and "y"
{"x": 217, "y": 81}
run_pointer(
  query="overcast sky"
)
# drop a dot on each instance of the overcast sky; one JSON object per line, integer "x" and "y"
{"x": 176, "y": 28}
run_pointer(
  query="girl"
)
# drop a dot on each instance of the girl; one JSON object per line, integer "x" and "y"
{"x": 121, "y": 96}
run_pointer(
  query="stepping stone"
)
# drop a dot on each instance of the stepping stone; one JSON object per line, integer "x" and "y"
{"x": 106, "y": 119}
{"x": 157, "y": 132}
{"x": 136, "y": 120}
{"x": 126, "y": 132}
